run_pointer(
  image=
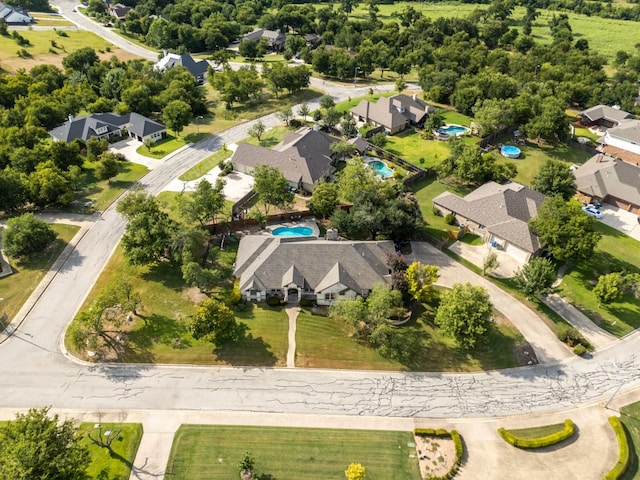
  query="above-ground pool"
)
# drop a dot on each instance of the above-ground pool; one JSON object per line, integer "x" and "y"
{"x": 456, "y": 130}
{"x": 292, "y": 232}
{"x": 510, "y": 151}
{"x": 381, "y": 168}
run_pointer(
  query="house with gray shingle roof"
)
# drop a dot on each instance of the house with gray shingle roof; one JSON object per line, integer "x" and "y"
{"x": 499, "y": 214}
{"x": 197, "y": 68}
{"x": 610, "y": 180}
{"x": 393, "y": 113}
{"x": 625, "y": 136}
{"x": 304, "y": 157}
{"x": 603, "y": 115}
{"x": 107, "y": 125}
{"x": 322, "y": 270}
{"x": 273, "y": 38}
{"x": 14, "y": 15}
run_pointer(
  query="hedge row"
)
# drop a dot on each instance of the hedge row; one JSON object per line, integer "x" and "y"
{"x": 539, "y": 442}
{"x": 623, "y": 450}
{"x": 457, "y": 443}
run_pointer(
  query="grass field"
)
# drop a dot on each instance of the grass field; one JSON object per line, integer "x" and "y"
{"x": 115, "y": 464}
{"x": 51, "y": 20}
{"x": 537, "y": 432}
{"x": 616, "y": 252}
{"x": 168, "y": 145}
{"x": 102, "y": 193}
{"x": 206, "y": 165}
{"x": 16, "y": 288}
{"x": 41, "y": 45}
{"x": 630, "y": 417}
{"x": 201, "y": 452}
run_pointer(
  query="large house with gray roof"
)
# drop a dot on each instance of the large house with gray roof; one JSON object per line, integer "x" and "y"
{"x": 304, "y": 157}
{"x": 394, "y": 114}
{"x": 322, "y": 270}
{"x": 108, "y": 125}
{"x": 610, "y": 180}
{"x": 499, "y": 214}
{"x": 274, "y": 39}
{"x": 14, "y": 15}
{"x": 197, "y": 68}
{"x": 604, "y": 116}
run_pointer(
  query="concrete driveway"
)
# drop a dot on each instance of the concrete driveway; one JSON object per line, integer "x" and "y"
{"x": 128, "y": 148}
{"x": 621, "y": 220}
{"x": 477, "y": 253}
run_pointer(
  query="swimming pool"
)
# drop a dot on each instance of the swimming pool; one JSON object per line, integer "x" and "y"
{"x": 292, "y": 232}
{"x": 456, "y": 130}
{"x": 510, "y": 151}
{"x": 381, "y": 168}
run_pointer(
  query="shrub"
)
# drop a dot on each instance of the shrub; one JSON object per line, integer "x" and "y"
{"x": 307, "y": 302}
{"x": 539, "y": 442}
{"x": 579, "y": 349}
{"x": 623, "y": 450}
{"x": 275, "y": 301}
{"x": 570, "y": 335}
{"x": 450, "y": 219}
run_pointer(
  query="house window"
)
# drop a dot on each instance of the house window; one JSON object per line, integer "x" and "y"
{"x": 329, "y": 296}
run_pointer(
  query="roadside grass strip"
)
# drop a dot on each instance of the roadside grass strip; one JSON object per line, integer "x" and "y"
{"x": 114, "y": 462}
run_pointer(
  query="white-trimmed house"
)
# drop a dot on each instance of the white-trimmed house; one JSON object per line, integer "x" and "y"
{"x": 321, "y": 270}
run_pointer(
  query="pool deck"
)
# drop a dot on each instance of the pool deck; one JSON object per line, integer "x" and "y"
{"x": 309, "y": 223}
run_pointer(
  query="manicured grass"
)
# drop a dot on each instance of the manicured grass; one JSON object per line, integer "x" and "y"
{"x": 168, "y": 145}
{"x": 472, "y": 239}
{"x": 204, "y": 452}
{"x": 349, "y": 104}
{"x": 616, "y": 252}
{"x": 101, "y": 193}
{"x": 49, "y": 19}
{"x": 17, "y": 288}
{"x": 630, "y": 418}
{"x": 205, "y": 166}
{"x": 115, "y": 464}
{"x": 537, "y": 432}
{"x": 270, "y": 138}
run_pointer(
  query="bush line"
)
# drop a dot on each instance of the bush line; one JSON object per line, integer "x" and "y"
{"x": 539, "y": 442}
{"x": 623, "y": 450}
{"x": 457, "y": 443}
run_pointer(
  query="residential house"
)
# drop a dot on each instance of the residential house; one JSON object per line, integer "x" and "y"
{"x": 303, "y": 157}
{"x": 273, "y": 38}
{"x": 197, "y": 68}
{"x": 499, "y": 214}
{"x": 14, "y": 15}
{"x": 624, "y": 137}
{"x": 604, "y": 116}
{"x": 297, "y": 267}
{"x": 312, "y": 40}
{"x": 108, "y": 125}
{"x": 394, "y": 114}
{"x": 119, "y": 11}
{"x": 610, "y": 180}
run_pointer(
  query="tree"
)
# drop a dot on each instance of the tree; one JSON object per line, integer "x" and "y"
{"x": 304, "y": 110}
{"x": 610, "y": 287}
{"x": 420, "y": 279}
{"x": 48, "y": 185}
{"x": 285, "y": 115}
{"x": 108, "y": 167}
{"x": 26, "y": 235}
{"x": 246, "y": 466}
{"x": 324, "y": 199}
{"x": 536, "y": 277}
{"x": 343, "y": 148}
{"x": 257, "y": 130}
{"x": 327, "y": 102}
{"x": 355, "y": 471}
{"x": 490, "y": 263}
{"x": 36, "y": 446}
{"x": 465, "y": 314}
{"x": 202, "y": 278}
{"x": 379, "y": 140}
{"x": 434, "y": 121}
{"x": 177, "y": 115}
{"x": 215, "y": 322}
{"x": 81, "y": 60}
{"x": 554, "y": 178}
{"x": 271, "y": 187}
{"x": 566, "y": 231}
{"x": 205, "y": 204}
{"x": 331, "y": 118}
{"x": 551, "y": 123}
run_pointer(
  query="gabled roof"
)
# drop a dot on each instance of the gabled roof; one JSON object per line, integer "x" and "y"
{"x": 603, "y": 175}
{"x": 504, "y": 210}
{"x": 119, "y": 10}
{"x": 605, "y": 112}
{"x": 14, "y": 15}
{"x": 304, "y": 155}
{"x": 272, "y": 36}
{"x": 628, "y": 130}
{"x": 98, "y": 124}
{"x": 393, "y": 112}
{"x": 185, "y": 60}
{"x": 316, "y": 264}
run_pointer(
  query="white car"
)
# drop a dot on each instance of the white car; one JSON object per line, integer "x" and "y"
{"x": 593, "y": 211}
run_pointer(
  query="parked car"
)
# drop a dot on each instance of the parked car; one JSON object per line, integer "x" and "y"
{"x": 592, "y": 210}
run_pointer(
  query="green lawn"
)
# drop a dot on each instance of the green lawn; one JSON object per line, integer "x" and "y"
{"x": 630, "y": 418}
{"x": 616, "y": 252}
{"x": 537, "y": 432}
{"x": 115, "y": 464}
{"x": 270, "y": 138}
{"x": 168, "y": 145}
{"x": 472, "y": 239}
{"x": 206, "y": 165}
{"x": 102, "y": 193}
{"x": 204, "y": 452}
{"x": 15, "y": 289}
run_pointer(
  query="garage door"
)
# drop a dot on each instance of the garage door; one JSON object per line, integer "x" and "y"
{"x": 516, "y": 252}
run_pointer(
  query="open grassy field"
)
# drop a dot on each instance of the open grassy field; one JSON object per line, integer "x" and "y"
{"x": 15, "y": 289}
{"x": 201, "y": 452}
{"x": 616, "y": 252}
{"x": 102, "y": 193}
{"x": 42, "y": 51}
{"x": 630, "y": 417}
{"x": 115, "y": 464}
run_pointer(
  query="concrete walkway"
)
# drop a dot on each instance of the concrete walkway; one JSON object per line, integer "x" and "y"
{"x": 596, "y": 336}
{"x": 477, "y": 253}
{"x": 292, "y": 313}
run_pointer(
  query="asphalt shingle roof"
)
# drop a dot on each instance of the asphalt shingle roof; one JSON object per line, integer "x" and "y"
{"x": 605, "y": 112}
{"x": 88, "y": 126}
{"x": 603, "y": 175}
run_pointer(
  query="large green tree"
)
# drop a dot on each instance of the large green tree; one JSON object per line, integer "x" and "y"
{"x": 214, "y": 322}
{"x": 465, "y": 314}
{"x": 271, "y": 187}
{"x": 206, "y": 204}
{"x": 37, "y": 446}
{"x": 324, "y": 199}
{"x": 177, "y": 115}
{"x": 564, "y": 229}
{"x": 421, "y": 279}
{"x": 26, "y": 235}
{"x": 536, "y": 277}
{"x": 554, "y": 178}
